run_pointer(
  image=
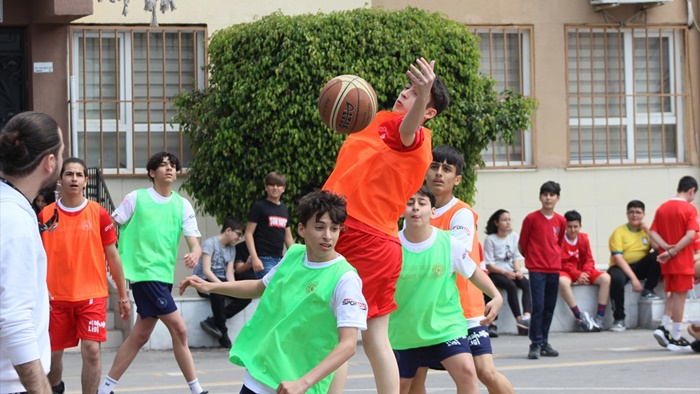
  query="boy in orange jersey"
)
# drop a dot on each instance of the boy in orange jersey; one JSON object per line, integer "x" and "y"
{"x": 77, "y": 276}
{"x": 675, "y": 224}
{"x": 453, "y": 214}
{"x": 379, "y": 169}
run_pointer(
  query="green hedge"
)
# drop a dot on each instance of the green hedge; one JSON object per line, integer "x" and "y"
{"x": 259, "y": 112}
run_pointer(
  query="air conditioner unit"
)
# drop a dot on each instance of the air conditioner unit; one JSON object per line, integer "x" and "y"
{"x": 618, "y": 2}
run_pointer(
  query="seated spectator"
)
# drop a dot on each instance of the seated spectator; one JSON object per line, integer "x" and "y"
{"x": 504, "y": 264}
{"x": 578, "y": 268}
{"x": 217, "y": 265}
{"x": 631, "y": 260}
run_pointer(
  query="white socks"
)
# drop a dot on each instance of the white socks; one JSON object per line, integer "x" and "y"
{"x": 676, "y": 331}
{"x": 195, "y": 388}
{"x": 107, "y": 386}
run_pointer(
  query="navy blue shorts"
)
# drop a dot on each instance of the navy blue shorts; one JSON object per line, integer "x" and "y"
{"x": 153, "y": 299}
{"x": 410, "y": 360}
{"x": 479, "y": 344}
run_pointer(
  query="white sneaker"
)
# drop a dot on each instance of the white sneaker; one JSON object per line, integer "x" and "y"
{"x": 618, "y": 326}
{"x": 586, "y": 323}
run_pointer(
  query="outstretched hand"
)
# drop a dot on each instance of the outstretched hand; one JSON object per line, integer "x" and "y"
{"x": 421, "y": 76}
{"x": 491, "y": 310}
{"x": 196, "y": 282}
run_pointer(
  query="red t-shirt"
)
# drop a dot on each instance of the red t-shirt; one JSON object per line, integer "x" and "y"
{"x": 577, "y": 259}
{"x": 540, "y": 238}
{"x": 672, "y": 221}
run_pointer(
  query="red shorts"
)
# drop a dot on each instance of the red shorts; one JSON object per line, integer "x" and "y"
{"x": 592, "y": 276}
{"x": 677, "y": 283}
{"x": 377, "y": 260}
{"x": 72, "y": 321}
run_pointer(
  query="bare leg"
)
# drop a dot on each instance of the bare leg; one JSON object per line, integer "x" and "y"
{"x": 418, "y": 382}
{"x": 56, "y": 371}
{"x": 678, "y": 305}
{"x": 338, "y": 382}
{"x": 183, "y": 356}
{"x": 461, "y": 369}
{"x": 130, "y": 348}
{"x": 494, "y": 381}
{"x": 375, "y": 341}
{"x": 405, "y": 385}
{"x": 565, "y": 290}
{"x": 603, "y": 282}
{"x": 92, "y": 366}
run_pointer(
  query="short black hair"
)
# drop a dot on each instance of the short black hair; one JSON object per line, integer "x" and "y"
{"x": 232, "y": 223}
{"x": 572, "y": 216}
{"x": 319, "y": 202}
{"x": 550, "y": 187}
{"x": 439, "y": 96}
{"x": 491, "y": 225}
{"x": 450, "y": 155}
{"x": 155, "y": 160}
{"x": 426, "y": 192}
{"x": 71, "y": 160}
{"x": 686, "y": 183}
{"x": 635, "y": 204}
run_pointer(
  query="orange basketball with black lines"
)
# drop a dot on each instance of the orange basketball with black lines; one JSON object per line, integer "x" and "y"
{"x": 347, "y": 104}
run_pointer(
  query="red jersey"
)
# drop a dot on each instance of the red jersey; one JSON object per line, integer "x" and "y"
{"x": 578, "y": 258}
{"x": 76, "y": 269}
{"x": 376, "y": 176}
{"x": 672, "y": 221}
{"x": 539, "y": 242}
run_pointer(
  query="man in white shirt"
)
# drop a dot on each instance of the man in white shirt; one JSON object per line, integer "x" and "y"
{"x": 31, "y": 154}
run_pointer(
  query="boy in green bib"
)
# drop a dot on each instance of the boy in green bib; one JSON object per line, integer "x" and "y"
{"x": 429, "y": 326}
{"x": 310, "y": 310}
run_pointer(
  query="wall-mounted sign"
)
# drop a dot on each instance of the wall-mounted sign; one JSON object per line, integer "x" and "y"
{"x": 43, "y": 67}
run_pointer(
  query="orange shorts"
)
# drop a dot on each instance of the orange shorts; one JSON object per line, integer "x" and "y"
{"x": 592, "y": 276}
{"x": 677, "y": 283}
{"x": 377, "y": 260}
{"x": 72, "y": 321}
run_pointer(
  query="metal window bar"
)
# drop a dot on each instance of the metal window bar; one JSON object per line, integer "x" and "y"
{"x": 121, "y": 146}
{"x": 499, "y": 154}
{"x": 652, "y": 70}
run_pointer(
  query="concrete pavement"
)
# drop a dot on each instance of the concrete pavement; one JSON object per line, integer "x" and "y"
{"x": 606, "y": 362}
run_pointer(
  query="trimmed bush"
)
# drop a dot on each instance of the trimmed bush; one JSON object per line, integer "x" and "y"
{"x": 259, "y": 112}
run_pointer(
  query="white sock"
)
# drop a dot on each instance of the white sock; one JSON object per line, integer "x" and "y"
{"x": 107, "y": 385}
{"x": 676, "y": 331}
{"x": 665, "y": 320}
{"x": 195, "y": 388}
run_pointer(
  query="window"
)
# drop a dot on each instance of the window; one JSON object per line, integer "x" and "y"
{"x": 625, "y": 95}
{"x": 122, "y": 83}
{"x": 505, "y": 57}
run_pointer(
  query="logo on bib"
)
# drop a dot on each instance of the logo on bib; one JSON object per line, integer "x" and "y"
{"x": 311, "y": 287}
{"x": 438, "y": 270}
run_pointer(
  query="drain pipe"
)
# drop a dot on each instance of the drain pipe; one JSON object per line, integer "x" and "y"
{"x": 73, "y": 117}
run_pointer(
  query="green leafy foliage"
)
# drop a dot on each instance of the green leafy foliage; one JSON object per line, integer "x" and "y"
{"x": 259, "y": 112}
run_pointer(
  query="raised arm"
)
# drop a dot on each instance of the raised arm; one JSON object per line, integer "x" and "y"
{"x": 421, "y": 78}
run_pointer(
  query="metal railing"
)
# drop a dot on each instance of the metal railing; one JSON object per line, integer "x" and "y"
{"x": 96, "y": 190}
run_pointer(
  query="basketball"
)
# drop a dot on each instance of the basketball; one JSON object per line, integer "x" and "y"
{"x": 347, "y": 104}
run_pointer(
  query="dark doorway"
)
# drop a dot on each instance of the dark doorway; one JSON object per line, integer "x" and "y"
{"x": 13, "y": 79}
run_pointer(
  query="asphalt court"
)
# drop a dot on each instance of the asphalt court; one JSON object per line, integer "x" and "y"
{"x": 606, "y": 362}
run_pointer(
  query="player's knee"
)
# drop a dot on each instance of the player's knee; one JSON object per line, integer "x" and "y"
{"x": 487, "y": 376}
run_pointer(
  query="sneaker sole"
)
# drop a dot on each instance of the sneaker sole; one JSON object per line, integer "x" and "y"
{"x": 661, "y": 338}
{"x": 676, "y": 348}
{"x": 208, "y": 330}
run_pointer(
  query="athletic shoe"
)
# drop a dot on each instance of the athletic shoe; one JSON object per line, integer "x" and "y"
{"x": 599, "y": 321}
{"x": 525, "y": 321}
{"x": 678, "y": 345}
{"x": 534, "y": 352}
{"x": 59, "y": 388}
{"x": 618, "y": 326}
{"x": 662, "y": 336}
{"x": 522, "y": 328}
{"x": 225, "y": 342}
{"x": 650, "y": 295}
{"x": 209, "y": 327}
{"x": 493, "y": 331}
{"x": 585, "y": 322}
{"x": 548, "y": 351}
{"x": 695, "y": 345}
{"x": 204, "y": 392}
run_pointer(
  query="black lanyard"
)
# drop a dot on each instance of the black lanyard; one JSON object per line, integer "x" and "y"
{"x": 8, "y": 183}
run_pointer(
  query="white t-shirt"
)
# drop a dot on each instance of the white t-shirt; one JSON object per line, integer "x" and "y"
{"x": 502, "y": 252}
{"x": 347, "y": 314}
{"x": 126, "y": 209}
{"x": 460, "y": 261}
